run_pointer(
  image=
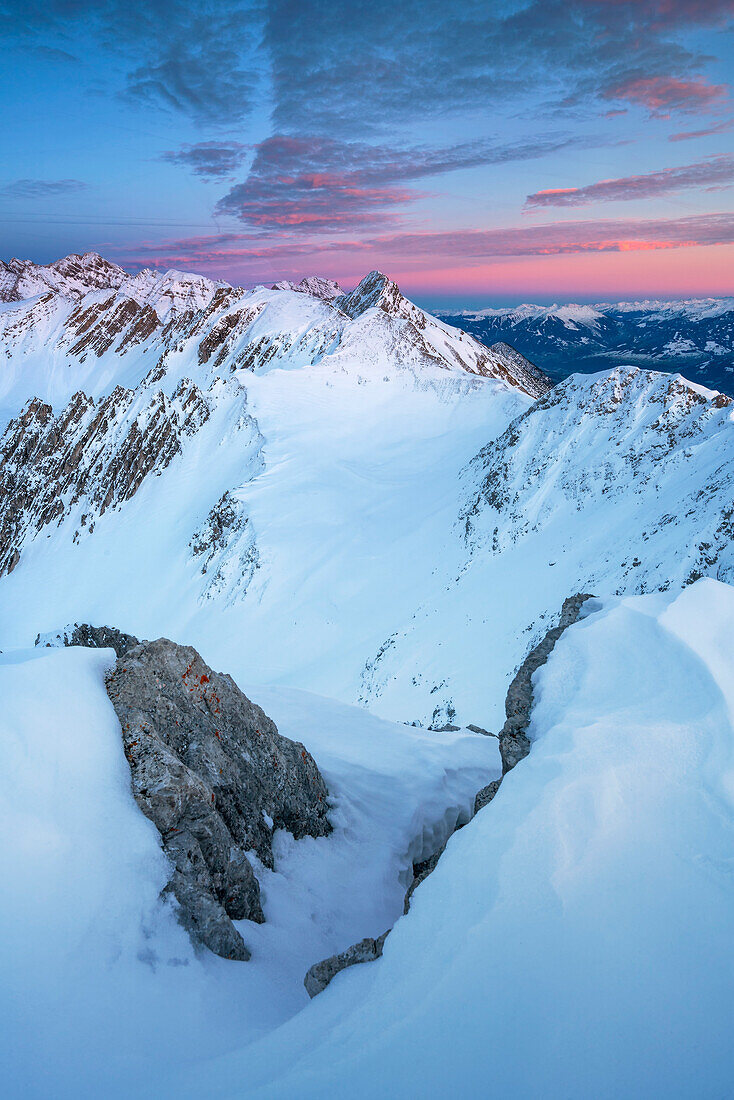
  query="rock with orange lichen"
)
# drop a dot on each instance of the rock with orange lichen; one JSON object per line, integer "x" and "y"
{"x": 211, "y": 771}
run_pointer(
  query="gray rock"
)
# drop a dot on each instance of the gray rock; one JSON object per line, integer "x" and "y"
{"x": 514, "y": 742}
{"x": 480, "y": 729}
{"x": 93, "y": 637}
{"x": 485, "y": 796}
{"x": 422, "y": 870}
{"x": 211, "y": 771}
{"x": 322, "y": 973}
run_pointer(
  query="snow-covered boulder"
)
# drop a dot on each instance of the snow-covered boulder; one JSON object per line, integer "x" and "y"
{"x": 92, "y": 637}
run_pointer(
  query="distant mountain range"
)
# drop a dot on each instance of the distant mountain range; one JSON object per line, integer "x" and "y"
{"x": 693, "y": 337}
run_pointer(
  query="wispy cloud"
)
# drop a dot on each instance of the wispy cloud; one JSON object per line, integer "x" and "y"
{"x": 40, "y": 189}
{"x": 462, "y": 248}
{"x": 210, "y": 159}
{"x": 663, "y": 94}
{"x": 717, "y": 128}
{"x": 316, "y": 183}
{"x": 712, "y": 172}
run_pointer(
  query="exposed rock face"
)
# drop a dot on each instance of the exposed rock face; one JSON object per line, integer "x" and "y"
{"x": 422, "y": 870}
{"x": 225, "y": 544}
{"x": 101, "y": 451}
{"x": 210, "y": 769}
{"x": 514, "y": 741}
{"x": 321, "y": 973}
{"x": 377, "y": 291}
{"x": 93, "y": 637}
{"x": 534, "y": 381}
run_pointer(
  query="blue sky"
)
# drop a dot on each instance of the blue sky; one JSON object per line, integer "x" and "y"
{"x": 481, "y": 153}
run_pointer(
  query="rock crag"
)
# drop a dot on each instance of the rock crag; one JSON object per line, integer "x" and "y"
{"x": 213, "y": 774}
{"x": 92, "y": 637}
{"x": 321, "y": 973}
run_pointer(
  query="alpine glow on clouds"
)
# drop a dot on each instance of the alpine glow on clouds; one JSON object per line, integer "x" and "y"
{"x": 240, "y": 141}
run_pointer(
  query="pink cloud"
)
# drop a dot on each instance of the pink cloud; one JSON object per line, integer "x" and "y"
{"x": 615, "y": 256}
{"x": 665, "y": 93}
{"x": 717, "y": 128}
{"x": 712, "y": 172}
{"x": 450, "y": 248}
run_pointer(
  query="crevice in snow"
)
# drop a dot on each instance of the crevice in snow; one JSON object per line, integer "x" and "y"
{"x": 428, "y": 847}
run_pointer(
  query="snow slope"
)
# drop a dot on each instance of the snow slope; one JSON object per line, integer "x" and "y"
{"x": 99, "y": 985}
{"x": 337, "y": 493}
{"x": 376, "y": 535}
{"x": 575, "y": 938}
{"x": 621, "y": 482}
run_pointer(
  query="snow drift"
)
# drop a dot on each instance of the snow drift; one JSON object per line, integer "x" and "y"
{"x": 575, "y": 938}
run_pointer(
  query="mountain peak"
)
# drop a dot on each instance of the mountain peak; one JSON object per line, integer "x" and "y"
{"x": 377, "y": 291}
{"x": 73, "y": 276}
{"x": 319, "y": 287}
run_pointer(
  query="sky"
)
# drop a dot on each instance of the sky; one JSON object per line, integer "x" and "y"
{"x": 479, "y": 153}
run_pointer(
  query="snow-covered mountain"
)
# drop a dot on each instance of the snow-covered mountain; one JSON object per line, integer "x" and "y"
{"x": 369, "y": 519}
{"x": 695, "y": 337}
{"x": 299, "y": 465}
{"x": 84, "y": 323}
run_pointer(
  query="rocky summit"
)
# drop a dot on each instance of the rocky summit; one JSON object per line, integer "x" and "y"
{"x": 213, "y": 774}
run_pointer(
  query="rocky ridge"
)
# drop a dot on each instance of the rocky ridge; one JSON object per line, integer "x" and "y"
{"x": 152, "y": 319}
{"x": 98, "y": 453}
{"x": 611, "y": 438}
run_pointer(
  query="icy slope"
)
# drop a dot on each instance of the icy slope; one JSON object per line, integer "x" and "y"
{"x": 100, "y": 989}
{"x": 575, "y": 937}
{"x": 276, "y": 527}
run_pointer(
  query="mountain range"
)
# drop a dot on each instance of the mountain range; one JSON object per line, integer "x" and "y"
{"x": 695, "y": 336}
{"x": 298, "y": 460}
{"x": 370, "y": 519}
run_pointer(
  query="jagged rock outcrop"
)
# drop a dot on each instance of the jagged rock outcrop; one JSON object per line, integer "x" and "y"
{"x": 376, "y": 291}
{"x": 92, "y": 637}
{"x": 535, "y": 381}
{"x": 514, "y": 742}
{"x": 225, "y": 544}
{"x": 319, "y": 976}
{"x": 211, "y": 771}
